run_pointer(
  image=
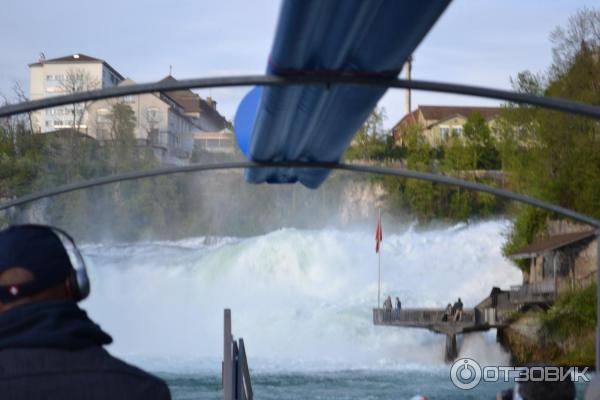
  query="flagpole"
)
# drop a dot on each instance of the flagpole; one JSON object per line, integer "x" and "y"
{"x": 379, "y": 267}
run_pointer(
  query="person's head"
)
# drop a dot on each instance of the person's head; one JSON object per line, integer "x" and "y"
{"x": 35, "y": 266}
{"x": 459, "y": 300}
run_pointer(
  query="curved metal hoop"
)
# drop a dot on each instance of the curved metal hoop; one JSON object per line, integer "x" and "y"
{"x": 304, "y": 79}
{"x": 327, "y": 79}
{"x": 441, "y": 179}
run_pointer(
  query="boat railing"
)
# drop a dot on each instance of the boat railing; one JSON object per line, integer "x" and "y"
{"x": 237, "y": 384}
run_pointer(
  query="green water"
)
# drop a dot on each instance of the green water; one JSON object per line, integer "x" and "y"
{"x": 339, "y": 385}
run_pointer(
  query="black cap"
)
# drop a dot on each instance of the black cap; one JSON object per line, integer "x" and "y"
{"x": 39, "y": 250}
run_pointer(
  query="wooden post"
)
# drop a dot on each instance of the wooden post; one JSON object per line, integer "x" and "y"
{"x": 227, "y": 357}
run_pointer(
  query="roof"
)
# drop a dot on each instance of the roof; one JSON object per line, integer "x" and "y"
{"x": 440, "y": 113}
{"x": 76, "y": 58}
{"x": 445, "y": 112}
{"x": 553, "y": 242}
{"x": 192, "y": 103}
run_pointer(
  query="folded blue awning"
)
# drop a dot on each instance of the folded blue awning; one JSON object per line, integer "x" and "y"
{"x": 315, "y": 123}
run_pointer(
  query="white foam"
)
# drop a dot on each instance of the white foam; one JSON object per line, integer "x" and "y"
{"x": 299, "y": 298}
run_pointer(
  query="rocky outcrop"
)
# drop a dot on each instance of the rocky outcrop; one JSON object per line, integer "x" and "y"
{"x": 528, "y": 343}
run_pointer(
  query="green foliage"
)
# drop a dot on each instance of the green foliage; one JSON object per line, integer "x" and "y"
{"x": 480, "y": 143}
{"x": 372, "y": 143}
{"x": 572, "y": 314}
{"x": 529, "y": 223}
{"x": 550, "y": 155}
{"x": 131, "y": 210}
{"x": 458, "y": 157}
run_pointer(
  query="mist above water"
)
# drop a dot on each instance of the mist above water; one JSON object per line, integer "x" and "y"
{"x": 301, "y": 299}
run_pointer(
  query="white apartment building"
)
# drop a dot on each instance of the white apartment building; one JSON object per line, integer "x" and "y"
{"x": 69, "y": 74}
{"x": 161, "y": 121}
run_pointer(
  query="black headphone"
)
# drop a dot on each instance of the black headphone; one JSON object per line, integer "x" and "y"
{"x": 78, "y": 282}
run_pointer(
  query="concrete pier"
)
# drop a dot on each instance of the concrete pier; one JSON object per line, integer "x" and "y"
{"x": 433, "y": 319}
{"x": 451, "y": 348}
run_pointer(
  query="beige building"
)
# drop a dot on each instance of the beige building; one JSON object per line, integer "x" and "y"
{"x": 160, "y": 122}
{"x": 60, "y": 76}
{"x": 165, "y": 121}
{"x": 438, "y": 123}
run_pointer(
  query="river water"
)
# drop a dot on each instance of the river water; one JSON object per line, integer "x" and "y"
{"x": 302, "y": 301}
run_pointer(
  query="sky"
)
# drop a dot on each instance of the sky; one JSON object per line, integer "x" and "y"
{"x": 477, "y": 42}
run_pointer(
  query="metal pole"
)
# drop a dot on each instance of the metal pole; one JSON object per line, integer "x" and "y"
{"x": 554, "y": 270}
{"x": 379, "y": 263}
{"x": 227, "y": 357}
{"x": 312, "y": 78}
{"x": 442, "y": 179}
{"x": 598, "y": 301}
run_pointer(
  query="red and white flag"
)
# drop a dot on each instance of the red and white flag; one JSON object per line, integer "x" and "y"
{"x": 378, "y": 235}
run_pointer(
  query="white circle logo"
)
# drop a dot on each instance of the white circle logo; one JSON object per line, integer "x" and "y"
{"x": 465, "y": 373}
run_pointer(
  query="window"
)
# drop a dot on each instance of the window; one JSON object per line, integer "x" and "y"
{"x": 457, "y": 130}
{"x": 57, "y": 122}
{"x": 102, "y": 116}
{"x": 153, "y": 115}
{"x": 128, "y": 99}
{"x": 49, "y": 77}
{"x": 444, "y": 130}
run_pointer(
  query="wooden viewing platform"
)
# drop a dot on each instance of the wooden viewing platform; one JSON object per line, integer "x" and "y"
{"x": 432, "y": 319}
{"x": 493, "y": 312}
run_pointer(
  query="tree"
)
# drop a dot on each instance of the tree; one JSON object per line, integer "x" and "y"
{"x": 551, "y": 155}
{"x": 481, "y": 143}
{"x": 582, "y": 29}
{"x": 74, "y": 81}
{"x": 370, "y": 137}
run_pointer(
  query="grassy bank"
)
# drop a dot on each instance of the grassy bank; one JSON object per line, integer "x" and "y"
{"x": 562, "y": 335}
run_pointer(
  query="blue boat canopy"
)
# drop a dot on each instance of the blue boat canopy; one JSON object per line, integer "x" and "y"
{"x": 316, "y": 123}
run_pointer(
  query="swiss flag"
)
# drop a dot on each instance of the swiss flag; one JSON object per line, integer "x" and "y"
{"x": 378, "y": 235}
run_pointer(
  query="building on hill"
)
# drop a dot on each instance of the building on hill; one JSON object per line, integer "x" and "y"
{"x": 165, "y": 121}
{"x": 64, "y": 75}
{"x": 160, "y": 122}
{"x": 203, "y": 113}
{"x": 565, "y": 259}
{"x": 438, "y": 123}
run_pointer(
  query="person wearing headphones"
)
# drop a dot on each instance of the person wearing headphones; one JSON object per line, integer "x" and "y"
{"x": 49, "y": 347}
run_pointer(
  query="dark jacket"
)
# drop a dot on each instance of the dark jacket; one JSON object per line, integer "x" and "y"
{"x": 52, "y": 350}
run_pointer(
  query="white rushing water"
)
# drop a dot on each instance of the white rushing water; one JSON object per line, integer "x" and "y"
{"x": 300, "y": 299}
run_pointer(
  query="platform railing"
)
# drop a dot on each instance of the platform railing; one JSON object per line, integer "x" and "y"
{"x": 533, "y": 292}
{"x": 418, "y": 316}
